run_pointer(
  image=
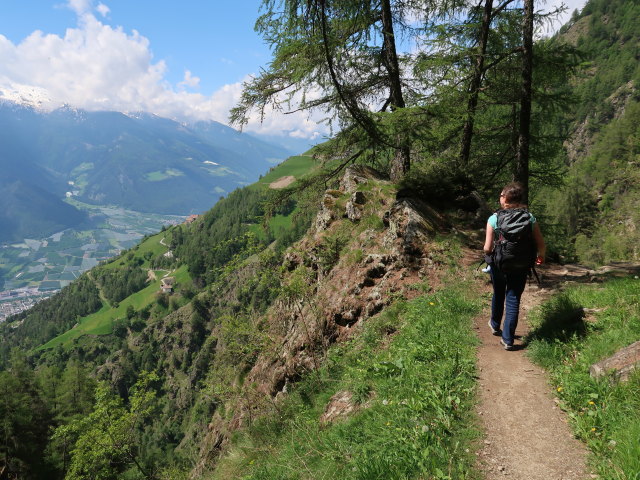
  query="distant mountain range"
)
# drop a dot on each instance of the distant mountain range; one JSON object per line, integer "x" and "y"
{"x": 139, "y": 161}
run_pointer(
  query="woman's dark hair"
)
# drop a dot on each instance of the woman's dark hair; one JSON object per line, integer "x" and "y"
{"x": 514, "y": 192}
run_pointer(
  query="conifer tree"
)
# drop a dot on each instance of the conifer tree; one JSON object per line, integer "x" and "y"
{"x": 339, "y": 57}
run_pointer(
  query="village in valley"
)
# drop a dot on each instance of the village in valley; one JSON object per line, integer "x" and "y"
{"x": 35, "y": 269}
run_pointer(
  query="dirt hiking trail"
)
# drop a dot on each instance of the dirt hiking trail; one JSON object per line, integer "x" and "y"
{"x": 527, "y": 436}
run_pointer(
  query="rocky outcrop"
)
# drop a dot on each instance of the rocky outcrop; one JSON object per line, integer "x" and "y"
{"x": 327, "y": 211}
{"x": 356, "y": 175}
{"x": 354, "y": 209}
{"x": 410, "y": 224}
{"x": 364, "y": 250}
{"x": 579, "y": 144}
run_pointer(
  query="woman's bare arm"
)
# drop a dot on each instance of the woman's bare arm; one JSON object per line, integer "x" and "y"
{"x": 537, "y": 237}
{"x": 488, "y": 241}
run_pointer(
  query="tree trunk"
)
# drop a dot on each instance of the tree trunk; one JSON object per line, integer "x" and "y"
{"x": 474, "y": 86}
{"x": 401, "y": 161}
{"x": 400, "y": 164}
{"x": 522, "y": 159}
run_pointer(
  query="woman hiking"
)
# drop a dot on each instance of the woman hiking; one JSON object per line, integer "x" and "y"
{"x": 514, "y": 243}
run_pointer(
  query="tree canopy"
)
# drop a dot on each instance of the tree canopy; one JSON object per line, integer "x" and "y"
{"x": 401, "y": 81}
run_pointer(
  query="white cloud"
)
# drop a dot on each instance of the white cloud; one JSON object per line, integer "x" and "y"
{"x": 98, "y": 67}
{"x": 103, "y": 9}
{"x": 189, "y": 80}
{"x": 80, "y": 6}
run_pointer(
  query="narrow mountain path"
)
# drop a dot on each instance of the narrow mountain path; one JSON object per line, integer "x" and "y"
{"x": 527, "y": 436}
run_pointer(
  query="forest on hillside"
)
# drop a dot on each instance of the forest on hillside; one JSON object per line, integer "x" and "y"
{"x": 113, "y": 379}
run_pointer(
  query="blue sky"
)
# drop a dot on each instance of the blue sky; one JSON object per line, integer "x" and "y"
{"x": 177, "y": 59}
{"x": 213, "y": 40}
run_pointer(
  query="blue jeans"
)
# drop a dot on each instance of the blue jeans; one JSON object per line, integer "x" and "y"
{"x": 507, "y": 289}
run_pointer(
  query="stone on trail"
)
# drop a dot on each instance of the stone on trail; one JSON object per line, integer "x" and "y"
{"x": 621, "y": 363}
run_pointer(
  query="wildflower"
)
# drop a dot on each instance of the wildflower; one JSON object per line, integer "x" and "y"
{"x": 591, "y": 402}
{"x": 388, "y": 423}
{"x": 431, "y": 303}
{"x": 593, "y": 429}
{"x": 560, "y": 389}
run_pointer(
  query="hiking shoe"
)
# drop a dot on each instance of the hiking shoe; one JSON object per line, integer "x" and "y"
{"x": 493, "y": 330}
{"x": 506, "y": 346}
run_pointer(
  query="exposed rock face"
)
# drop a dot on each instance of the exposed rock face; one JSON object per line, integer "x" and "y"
{"x": 331, "y": 294}
{"x": 411, "y": 223}
{"x": 326, "y": 213}
{"x": 354, "y": 206}
{"x": 581, "y": 139}
{"x": 356, "y": 175}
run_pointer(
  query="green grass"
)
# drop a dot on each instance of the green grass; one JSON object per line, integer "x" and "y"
{"x": 411, "y": 373}
{"x": 149, "y": 245}
{"x": 276, "y": 223}
{"x": 152, "y": 244}
{"x": 294, "y": 166}
{"x": 163, "y": 175}
{"x": 101, "y": 322}
{"x": 604, "y": 413}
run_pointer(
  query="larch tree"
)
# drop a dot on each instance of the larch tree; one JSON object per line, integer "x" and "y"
{"x": 522, "y": 160}
{"x": 342, "y": 58}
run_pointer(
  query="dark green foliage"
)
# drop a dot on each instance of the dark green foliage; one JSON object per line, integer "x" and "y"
{"x": 224, "y": 233}
{"x": 611, "y": 46}
{"x": 24, "y": 422}
{"x": 592, "y": 218}
{"x": 598, "y": 208}
{"x": 50, "y": 318}
{"x": 107, "y": 442}
{"x": 118, "y": 284}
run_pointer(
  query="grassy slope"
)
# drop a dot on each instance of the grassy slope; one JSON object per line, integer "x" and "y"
{"x": 294, "y": 166}
{"x": 411, "y": 373}
{"x": 101, "y": 322}
{"x": 604, "y": 413}
{"x": 297, "y": 167}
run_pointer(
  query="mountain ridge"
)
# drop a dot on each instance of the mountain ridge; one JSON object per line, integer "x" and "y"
{"x": 138, "y": 161}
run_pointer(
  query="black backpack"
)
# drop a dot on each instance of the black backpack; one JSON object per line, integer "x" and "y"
{"x": 514, "y": 247}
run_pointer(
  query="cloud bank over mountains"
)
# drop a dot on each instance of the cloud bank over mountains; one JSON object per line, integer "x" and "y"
{"x": 95, "y": 66}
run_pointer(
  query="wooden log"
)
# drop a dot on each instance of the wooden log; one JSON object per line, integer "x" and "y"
{"x": 621, "y": 363}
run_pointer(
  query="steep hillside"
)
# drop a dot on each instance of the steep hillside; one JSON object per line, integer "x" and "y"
{"x": 31, "y": 194}
{"x": 293, "y": 333}
{"x": 140, "y": 162}
{"x": 251, "y": 324}
{"x": 597, "y": 208}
